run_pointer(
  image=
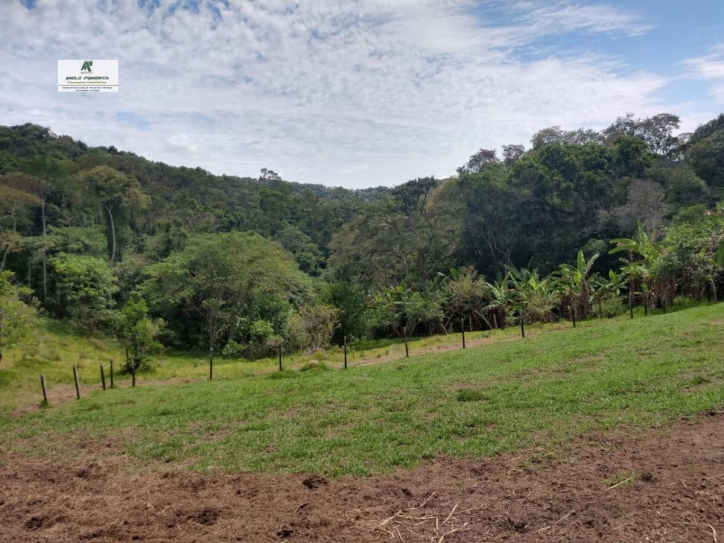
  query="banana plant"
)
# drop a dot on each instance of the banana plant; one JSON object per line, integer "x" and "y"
{"x": 573, "y": 282}
{"x": 525, "y": 285}
{"x": 602, "y": 287}
{"x": 498, "y": 295}
{"x": 638, "y": 270}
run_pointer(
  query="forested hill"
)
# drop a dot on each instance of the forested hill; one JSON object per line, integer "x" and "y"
{"x": 186, "y": 201}
{"x": 87, "y": 229}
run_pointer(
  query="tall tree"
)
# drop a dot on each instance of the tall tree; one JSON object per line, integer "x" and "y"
{"x": 218, "y": 285}
{"x": 47, "y": 174}
{"x": 114, "y": 191}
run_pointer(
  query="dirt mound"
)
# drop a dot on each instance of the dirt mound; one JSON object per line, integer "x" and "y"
{"x": 656, "y": 485}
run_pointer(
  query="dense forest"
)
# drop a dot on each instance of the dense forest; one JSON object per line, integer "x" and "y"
{"x": 580, "y": 224}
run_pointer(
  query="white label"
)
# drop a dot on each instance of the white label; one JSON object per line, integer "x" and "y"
{"x": 87, "y": 76}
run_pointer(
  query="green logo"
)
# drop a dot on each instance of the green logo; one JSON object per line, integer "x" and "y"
{"x": 87, "y": 66}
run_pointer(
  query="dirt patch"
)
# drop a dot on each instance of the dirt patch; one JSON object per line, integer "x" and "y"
{"x": 653, "y": 485}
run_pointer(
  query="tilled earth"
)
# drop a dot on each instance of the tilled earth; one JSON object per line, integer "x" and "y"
{"x": 663, "y": 485}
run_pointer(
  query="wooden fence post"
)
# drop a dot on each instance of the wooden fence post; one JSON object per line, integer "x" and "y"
{"x": 211, "y": 363}
{"x": 75, "y": 378}
{"x": 345, "y": 352}
{"x": 522, "y": 323}
{"x": 103, "y": 377}
{"x": 280, "y": 358}
{"x": 407, "y": 351}
{"x": 111, "y": 373}
{"x": 45, "y": 390}
{"x": 462, "y": 328}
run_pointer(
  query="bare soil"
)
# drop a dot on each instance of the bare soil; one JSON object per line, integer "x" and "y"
{"x": 658, "y": 485}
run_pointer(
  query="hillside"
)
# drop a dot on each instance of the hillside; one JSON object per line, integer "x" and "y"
{"x": 153, "y": 256}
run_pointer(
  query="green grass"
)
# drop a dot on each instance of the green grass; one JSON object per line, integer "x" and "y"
{"x": 379, "y": 418}
{"x": 55, "y": 349}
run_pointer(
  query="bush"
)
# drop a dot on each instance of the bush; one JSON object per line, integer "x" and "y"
{"x": 611, "y": 306}
{"x": 312, "y": 326}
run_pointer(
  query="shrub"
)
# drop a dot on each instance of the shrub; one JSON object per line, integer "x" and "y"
{"x": 611, "y": 305}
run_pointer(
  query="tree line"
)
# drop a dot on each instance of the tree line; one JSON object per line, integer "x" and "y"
{"x": 581, "y": 224}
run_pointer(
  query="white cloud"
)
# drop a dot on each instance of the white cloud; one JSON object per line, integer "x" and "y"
{"x": 357, "y": 93}
{"x": 710, "y": 68}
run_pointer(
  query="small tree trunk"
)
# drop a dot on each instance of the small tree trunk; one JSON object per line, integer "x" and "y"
{"x": 113, "y": 236}
{"x": 45, "y": 263}
{"x": 713, "y": 290}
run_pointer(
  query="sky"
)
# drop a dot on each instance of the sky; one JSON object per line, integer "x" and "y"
{"x": 356, "y": 93}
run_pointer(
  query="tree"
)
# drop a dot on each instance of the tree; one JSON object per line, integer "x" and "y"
{"x": 499, "y": 297}
{"x": 656, "y": 131}
{"x": 15, "y": 207}
{"x": 556, "y": 135}
{"x": 43, "y": 176}
{"x": 638, "y": 270}
{"x": 573, "y": 282}
{"x": 16, "y": 317}
{"x": 84, "y": 287}
{"x": 401, "y": 310}
{"x": 137, "y": 333}
{"x": 350, "y": 302}
{"x": 465, "y": 295}
{"x": 114, "y": 191}
{"x": 707, "y": 158}
{"x": 602, "y": 288}
{"x": 409, "y": 236}
{"x": 511, "y": 153}
{"x": 530, "y": 295}
{"x": 311, "y": 327}
{"x": 479, "y": 161}
{"x": 219, "y": 285}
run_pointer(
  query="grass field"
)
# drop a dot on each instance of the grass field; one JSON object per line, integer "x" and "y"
{"x": 556, "y": 383}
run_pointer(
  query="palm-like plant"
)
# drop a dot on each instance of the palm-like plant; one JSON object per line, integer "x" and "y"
{"x": 573, "y": 283}
{"x": 602, "y": 287}
{"x": 639, "y": 270}
{"x": 529, "y": 291}
{"x": 498, "y": 295}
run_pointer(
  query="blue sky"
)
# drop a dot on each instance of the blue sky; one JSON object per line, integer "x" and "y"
{"x": 361, "y": 92}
